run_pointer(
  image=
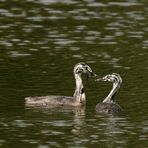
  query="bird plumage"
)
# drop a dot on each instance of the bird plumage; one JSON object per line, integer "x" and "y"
{"x": 77, "y": 99}
{"x": 108, "y": 105}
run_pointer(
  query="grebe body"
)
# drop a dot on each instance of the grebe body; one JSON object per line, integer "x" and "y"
{"x": 78, "y": 97}
{"x": 111, "y": 108}
{"x": 109, "y": 105}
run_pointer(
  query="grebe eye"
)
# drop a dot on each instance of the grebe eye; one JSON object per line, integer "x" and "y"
{"x": 108, "y": 76}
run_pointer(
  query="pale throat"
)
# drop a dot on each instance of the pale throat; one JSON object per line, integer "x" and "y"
{"x": 79, "y": 90}
{"x": 112, "y": 93}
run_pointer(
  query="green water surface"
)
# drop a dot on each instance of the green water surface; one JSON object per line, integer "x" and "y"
{"x": 41, "y": 41}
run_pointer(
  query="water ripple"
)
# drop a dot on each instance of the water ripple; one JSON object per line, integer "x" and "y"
{"x": 96, "y": 4}
{"x": 17, "y": 54}
{"x": 125, "y": 4}
{"x": 41, "y": 40}
{"x": 47, "y": 2}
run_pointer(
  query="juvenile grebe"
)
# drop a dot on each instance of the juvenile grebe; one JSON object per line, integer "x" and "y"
{"x": 108, "y": 105}
{"x": 76, "y": 100}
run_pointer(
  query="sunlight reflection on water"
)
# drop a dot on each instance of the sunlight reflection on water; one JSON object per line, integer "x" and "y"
{"x": 40, "y": 43}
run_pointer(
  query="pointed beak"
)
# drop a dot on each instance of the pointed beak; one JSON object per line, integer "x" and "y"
{"x": 91, "y": 74}
{"x": 101, "y": 79}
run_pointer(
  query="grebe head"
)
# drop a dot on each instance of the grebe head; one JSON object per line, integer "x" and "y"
{"x": 115, "y": 78}
{"x": 82, "y": 68}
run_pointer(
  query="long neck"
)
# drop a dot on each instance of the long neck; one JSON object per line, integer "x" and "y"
{"x": 79, "y": 93}
{"x": 111, "y": 95}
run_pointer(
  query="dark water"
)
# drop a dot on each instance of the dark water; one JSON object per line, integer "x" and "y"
{"x": 41, "y": 41}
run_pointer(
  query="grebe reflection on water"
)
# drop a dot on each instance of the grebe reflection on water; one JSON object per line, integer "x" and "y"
{"x": 77, "y": 99}
{"x": 109, "y": 105}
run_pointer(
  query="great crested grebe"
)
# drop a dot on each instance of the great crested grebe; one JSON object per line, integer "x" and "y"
{"x": 78, "y": 97}
{"x": 108, "y": 105}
